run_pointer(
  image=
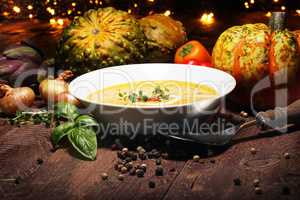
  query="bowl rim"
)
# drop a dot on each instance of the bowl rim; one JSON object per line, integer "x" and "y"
{"x": 151, "y": 106}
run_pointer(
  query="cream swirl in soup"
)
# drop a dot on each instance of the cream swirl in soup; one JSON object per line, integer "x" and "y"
{"x": 153, "y": 93}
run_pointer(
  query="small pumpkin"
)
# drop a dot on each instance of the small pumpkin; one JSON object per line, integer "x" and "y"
{"x": 252, "y": 52}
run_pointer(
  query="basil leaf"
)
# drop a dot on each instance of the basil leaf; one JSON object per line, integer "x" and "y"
{"x": 60, "y": 131}
{"x": 66, "y": 111}
{"x": 84, "y": 141}
{"x": 86, "y": 121}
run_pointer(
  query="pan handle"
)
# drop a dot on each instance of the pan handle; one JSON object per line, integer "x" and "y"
{"x": 280, "y": 116}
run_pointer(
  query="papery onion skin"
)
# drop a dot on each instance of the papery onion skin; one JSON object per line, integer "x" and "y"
{"x": 66, "y": 97}
{"x": 15, "y": 99}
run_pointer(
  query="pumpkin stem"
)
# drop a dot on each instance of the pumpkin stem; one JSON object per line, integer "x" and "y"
{"x": 277, "y": 21}
{"x": 65, "y": 75}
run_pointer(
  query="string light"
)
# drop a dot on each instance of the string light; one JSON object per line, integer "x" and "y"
{"x": 30, "y": 16}
{"x": 52, "y": 21}
{"x": 252, "y": 1}
{"x": 135, "y": 5}
{"x": 246, "y": 5}
{"x": 275, "y": 1}
{"x": 29, "y": 7}
{"x": 16, "y": 9}
{"x": 207, "y": 19}
{"x": 269, "y": 14}
{"x": 73, "y": 4}
{"x": 283, "y": 7}
{"x": 167, "y": 13}
{"x": 298, "y": 12}
{"x": 5, "y": 14}
{"x": 60, "y": 22}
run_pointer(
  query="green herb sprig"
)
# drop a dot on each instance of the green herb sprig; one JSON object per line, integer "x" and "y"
{"x": 79, "y": 129}
{"x": 32, "y": 117}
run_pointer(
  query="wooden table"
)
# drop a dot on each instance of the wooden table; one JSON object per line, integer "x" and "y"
{"x": 26, "y": 152}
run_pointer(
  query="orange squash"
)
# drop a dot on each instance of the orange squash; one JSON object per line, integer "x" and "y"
{"x": 253, "y": 52}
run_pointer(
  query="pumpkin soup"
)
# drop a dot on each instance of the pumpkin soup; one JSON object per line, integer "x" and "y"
{"x": 153, "y": 93}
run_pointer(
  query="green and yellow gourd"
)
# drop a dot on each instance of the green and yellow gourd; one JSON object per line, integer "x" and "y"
{"x": 101, "y": 38}
{"x": 252, "y": 52}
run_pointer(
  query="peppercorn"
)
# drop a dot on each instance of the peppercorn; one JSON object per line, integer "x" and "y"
{"x": 159, "y": 171}
{"x": 139, "y": 148}
{"x": 196, "y": 158}
{"x": 286, "y": 155}
{"x": 104, "y": 176}
{"x": 286, "y": 190}
{"x": 139, "y": 173}
{"x": 128, "y": 159}
{"x": 134, "y": 157}
{"x": 256, "y": 182}
{"x": 120, "y": 167}
{"x": 253, "y": 150}
{"x": 125, "y": 150}
{"x": 243, "y": 114}
{"x": 121, "y": 177}
{"x": 129, "y": 165}
{"x": 143, "y": 167}
{"x": 151, "y": 184}
{"x": 39, "y": 161}
{"x": 237, "y": 181}
{"x": 124, "y": 170}
{"x": 120, "y": 155}
{"x": 158, "y": 161}
{"x": 142, "y": 156}
{"x": 258, "y": 190}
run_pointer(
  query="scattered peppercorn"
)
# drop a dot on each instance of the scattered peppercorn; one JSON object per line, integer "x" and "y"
{"x": 142, "y": 156}
{"x": 143, "y": 167}
{"x": 159, "y": 171}
{"x": 196, "y": 158}
{"x": 124, "y": 170}
{"x": 120, "y": 167}
{"x": 158, "y": 161}
{"x": 253, "y": 150}
{"x": 121, "y": 177}
{"x": 243, "y": 114}
{"x": 134, "y": 156}
{"x": 139, "y": 173}
{"x": 39, "y": 161}
{"x": 256, "y": 182}
{"x": 237, "y": 181}
{"x": 128, "y": 159}
{"x": 104, "y": 176}
{"x": 139, "y": 148}
{"x": 286, "y": 190}
{"x": 129, "y": 165}
{"x": 287, "y": 155}
{"x": 125, "y": 150}
{"x": 151, "y": 184}
{"x": 258, "y": 190}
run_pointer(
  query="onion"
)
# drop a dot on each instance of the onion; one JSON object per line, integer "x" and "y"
{"x": 66, "y": 97}
{"x": 15, "y": 99}
{"x": 51, "y": 88}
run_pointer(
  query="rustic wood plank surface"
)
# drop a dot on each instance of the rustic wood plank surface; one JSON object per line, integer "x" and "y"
{"x": 26, "y": 154}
